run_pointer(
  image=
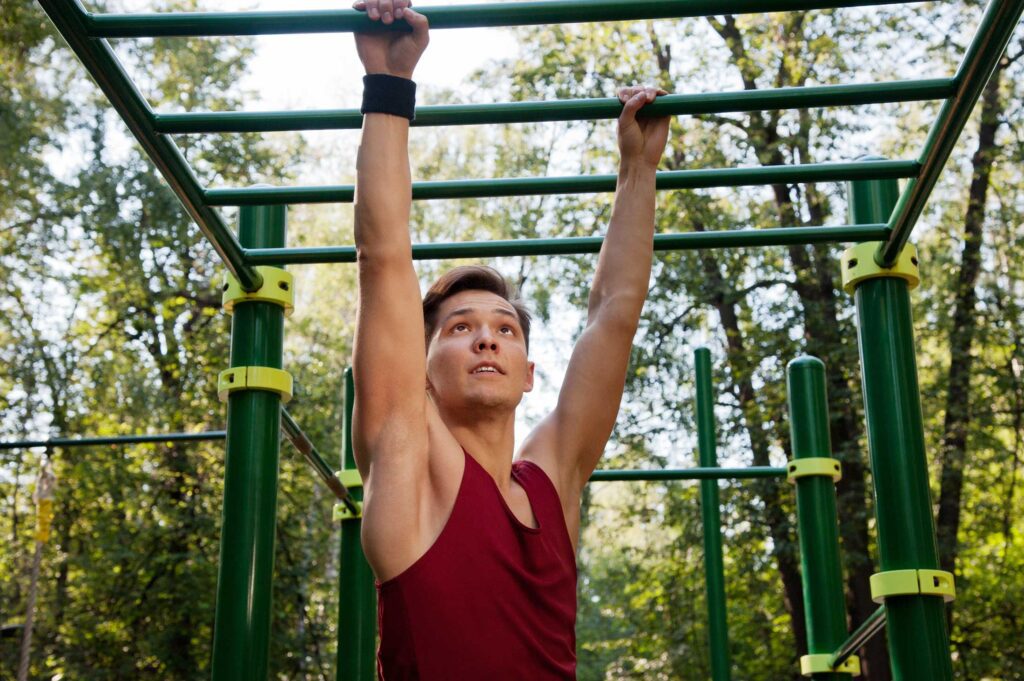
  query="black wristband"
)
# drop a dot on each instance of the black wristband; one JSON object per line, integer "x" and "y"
{"x": 383, "y": 93}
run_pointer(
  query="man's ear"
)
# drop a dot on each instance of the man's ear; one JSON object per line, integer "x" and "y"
{"x": 530, "y": 366}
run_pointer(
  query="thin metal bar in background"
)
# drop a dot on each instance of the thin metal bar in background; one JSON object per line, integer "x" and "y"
{"x": 305, "y": 446}
{"x": 456, "y": 16}
{"x": 779, "y": 236}
{"x": 535, "y": 186}
{"x": 114, "y": 440}
{"x": 874, "y": 624}
{"x": 564, "y": 110}
{"x": 713, "y": 473}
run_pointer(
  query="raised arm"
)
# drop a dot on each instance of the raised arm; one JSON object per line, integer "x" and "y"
{"x": 389, "y": 430}
{"x": 572, "y": 439}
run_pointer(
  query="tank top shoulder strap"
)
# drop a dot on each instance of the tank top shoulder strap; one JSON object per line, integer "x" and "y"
{"x": 542, "y": 492}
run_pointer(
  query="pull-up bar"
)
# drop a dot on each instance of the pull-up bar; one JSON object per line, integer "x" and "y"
{"x": 565, "y": 110}
{"x": 686, "y": 241}
{"x": 703, "y": 178}
{"x": 458, "y": 16}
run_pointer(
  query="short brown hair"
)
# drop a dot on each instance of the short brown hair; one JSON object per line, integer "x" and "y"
{"x": 471, "y": 278}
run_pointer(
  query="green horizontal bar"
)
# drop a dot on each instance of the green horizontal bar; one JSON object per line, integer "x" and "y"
{"x": 457, "y": 16}
{"x": 294, "y": 433}
{"x": 994, "y": 32}
{"x": 779, "y": 236}
{"x": 532, "y": 186}
{"x": 689, "y": 474}
{"x": 114, "y": 440}
{"x": 564, "y": 110}
{"x": 70, "y": 19}
{"x": 864, "y": 633}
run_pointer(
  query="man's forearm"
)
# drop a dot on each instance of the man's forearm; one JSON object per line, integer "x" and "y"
{"x": 624, "y": 265}
{"x": 383, "y": 185}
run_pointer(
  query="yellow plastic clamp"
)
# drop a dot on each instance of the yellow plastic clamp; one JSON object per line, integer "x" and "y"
{"x": 254, "y": 378}
{"x": 342, "y": 512}
{"x": 350, "y": 477}
{"x": 44, "y": 519}
{"x": 912, "y": 582}
{"x": 859, "y": 264}
{"x": 815, "y": 465}
{"x": 278, "y": 288}
{"x": 816, "y": 664}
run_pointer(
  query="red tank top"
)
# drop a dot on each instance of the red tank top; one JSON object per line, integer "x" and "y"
{"x": 491, "y": 599}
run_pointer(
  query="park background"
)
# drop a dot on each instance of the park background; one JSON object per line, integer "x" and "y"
{"x": 110, "y": 323}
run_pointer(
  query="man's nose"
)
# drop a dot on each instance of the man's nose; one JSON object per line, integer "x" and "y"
{"x": 486, "y": 340}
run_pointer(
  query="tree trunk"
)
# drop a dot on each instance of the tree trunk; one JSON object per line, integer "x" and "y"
{"x": 816, "y": 275}
{"x": 953, "y": 451}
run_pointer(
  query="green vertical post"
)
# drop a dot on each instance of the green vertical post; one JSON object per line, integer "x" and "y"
{"x": 241, "y": 638}
{"x": 710, "y": 506}
{"x": 357, "y": 593}
{"x": 817, "y": 521}
{"x": 915, "y": 624}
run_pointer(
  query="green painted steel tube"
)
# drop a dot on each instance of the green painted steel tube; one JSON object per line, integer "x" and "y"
{"x": 564, "y": 110}
{"x": 357, "y": 594}
{"x": 71, "y": 19}
{"x": 457, "y": 16}
{"x": 741, "y": 238}
{"x": 305, "y": 446}
{"x": 980, "y": 60}
{"x": 817, "y": 521}
{"x": 115, "y": 440}
{"x": 714, "y": 473}
{"x": 711, "y": 517}
{"x": 241, "y": 638}
{"x": 860, "y": 637}
{"x": 532, "y": 186}
{"x": 916, "y": 625}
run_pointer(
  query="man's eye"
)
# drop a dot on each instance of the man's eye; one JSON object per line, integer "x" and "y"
{"x": 459, "y": 327}
{"x": 507, "y": 329}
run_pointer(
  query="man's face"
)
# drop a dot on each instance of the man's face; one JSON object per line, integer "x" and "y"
{"x": 477, "y": 356}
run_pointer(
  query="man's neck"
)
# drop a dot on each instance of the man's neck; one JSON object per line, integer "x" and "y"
{"x": 489, "y": 438}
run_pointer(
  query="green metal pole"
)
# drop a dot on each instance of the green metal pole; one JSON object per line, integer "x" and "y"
{"x": 702, "y": 178}
{"x": 457, "y": 16}
{"x": 818, "y": 524}
{"x": 916, "y": 624}
{"x": 710, "y": 506}
{"x": 241, "y": 638}
{"x": 115, "y": 440}
{"x": 357, "y": 597}
{"x": 305, "y": 446}
{"x": 664, "y": 474}
{"x": 854, "y": 94}
{"x": 860, "y": 637}
{"x": 573, "y": 245}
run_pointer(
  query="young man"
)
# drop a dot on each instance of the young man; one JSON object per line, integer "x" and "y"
{"x": 474, "y": 549}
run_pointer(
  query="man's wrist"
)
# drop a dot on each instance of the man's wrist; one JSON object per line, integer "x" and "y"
{"x": 389, "y": 94}
{"x": 636, "y": 167}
